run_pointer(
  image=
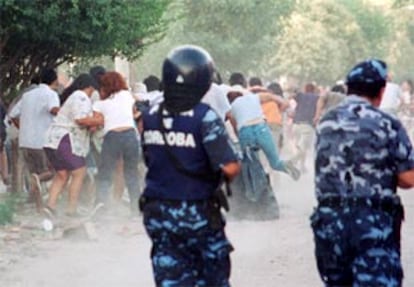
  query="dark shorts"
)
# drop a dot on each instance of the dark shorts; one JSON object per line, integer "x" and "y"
{"x": 35, "y": 160}
{"x": 62, "y": 158}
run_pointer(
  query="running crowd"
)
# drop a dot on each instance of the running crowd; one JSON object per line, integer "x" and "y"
{"x": 89, "y": 130}
{"x": 190, "y": 129}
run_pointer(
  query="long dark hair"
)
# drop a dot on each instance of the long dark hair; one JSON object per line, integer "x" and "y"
{"x": 83, "y": 81}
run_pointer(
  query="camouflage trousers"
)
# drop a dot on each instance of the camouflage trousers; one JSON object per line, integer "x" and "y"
{"x": 357, "y": 246}
{"x": 187, "y": 250}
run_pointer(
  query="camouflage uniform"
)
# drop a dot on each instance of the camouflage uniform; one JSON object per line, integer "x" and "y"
{"x": 360, "y": 150}
{"x": 186, "y": 249}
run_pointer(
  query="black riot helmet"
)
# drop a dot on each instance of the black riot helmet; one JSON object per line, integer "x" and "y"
{"x": 187, "y": 74}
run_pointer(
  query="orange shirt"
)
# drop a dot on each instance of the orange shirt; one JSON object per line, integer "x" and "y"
{"x": 272, "y": 113}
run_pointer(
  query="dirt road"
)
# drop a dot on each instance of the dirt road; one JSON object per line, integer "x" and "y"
{"x": 273, "y": 253}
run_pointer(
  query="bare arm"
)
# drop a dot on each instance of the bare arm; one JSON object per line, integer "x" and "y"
{"x": 258, "y": 89}
{"x": 283, "y": 103}
{"x": 140, "y": 126}
{"x": 227, "y": 116}
{"x": 406, "y": 179}
{"x": 266, "y": 97}
{"x": 97, "y": 119}
{"x": 319, "y": 108}
{"x": 231, "y": 169}
{"x": 16, "y": 122}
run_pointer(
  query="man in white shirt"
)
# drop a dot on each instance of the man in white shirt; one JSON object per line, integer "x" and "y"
{"x": 253, "y": 131}
{"x": 33, "y": 115}
{"x": 216, "y": 97}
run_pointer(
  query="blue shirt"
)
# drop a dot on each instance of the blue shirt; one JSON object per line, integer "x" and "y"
{"x": 306, "y": 108}
{"x": 199, "y": 142}
{"x": 360, "y": 151}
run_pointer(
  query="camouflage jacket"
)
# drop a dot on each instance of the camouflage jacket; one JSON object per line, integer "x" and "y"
{"x": 360, "y": 150}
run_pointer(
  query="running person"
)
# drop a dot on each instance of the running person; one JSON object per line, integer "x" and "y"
{"x": 186, "y": 148}
{"x": 362, "y": 156}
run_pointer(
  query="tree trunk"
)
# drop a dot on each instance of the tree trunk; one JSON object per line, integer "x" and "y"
{"x": 16, "y": 168}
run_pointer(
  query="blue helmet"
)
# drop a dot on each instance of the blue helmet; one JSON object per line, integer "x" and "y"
{"x": 187, "y": 74}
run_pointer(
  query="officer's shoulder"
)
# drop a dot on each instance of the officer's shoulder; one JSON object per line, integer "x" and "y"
{"x": 386, "y": 115}
{"x": 331, "y": 113}
{"x": 209, "y": 114}
{"x": 393, "y": 119}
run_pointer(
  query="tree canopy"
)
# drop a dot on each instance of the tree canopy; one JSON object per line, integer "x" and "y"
{"x": 236, "y": 33}
{"x": 314, "y": 40}
{"x": 335, "y": 43}
{"x": 37, "y": 34}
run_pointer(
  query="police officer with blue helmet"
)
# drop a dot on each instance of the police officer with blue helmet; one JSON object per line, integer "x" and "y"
{"x": 362, "y": 156}
{"x": 188, "y": 154}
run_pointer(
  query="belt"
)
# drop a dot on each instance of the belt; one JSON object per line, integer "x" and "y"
{"x": 388, "y": 204}
{"x": 254, "y": 122}
{"x": 143, "y": 200}
{"x": 303, "y": 123}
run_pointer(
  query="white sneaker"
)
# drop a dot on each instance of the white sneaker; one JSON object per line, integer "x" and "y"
{"x": 98, "y": 207}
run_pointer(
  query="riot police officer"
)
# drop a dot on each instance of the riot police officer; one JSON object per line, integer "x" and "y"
{"x": 188, "y": 154}
{"x": 362, "y": 156}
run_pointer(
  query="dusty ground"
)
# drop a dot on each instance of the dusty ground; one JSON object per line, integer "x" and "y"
{"x": 273, "y": 253}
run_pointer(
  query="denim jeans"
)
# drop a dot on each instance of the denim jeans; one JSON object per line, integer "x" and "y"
{"x": 260, "y": 136}
{"x": 118, "y": 145}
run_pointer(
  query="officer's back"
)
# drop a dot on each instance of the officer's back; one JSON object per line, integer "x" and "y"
{"x": 188, "y": 153}
{"x": 362, "y": 156}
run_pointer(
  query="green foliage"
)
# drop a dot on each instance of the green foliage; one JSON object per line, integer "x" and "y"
{"x": 35, "y": 34}
{"x": 314, "y": 40}
{"x": 336, "y": 42}
{"x": 401, "y": 3}
{"x": 237, "y": 33}
{"x": 375, "y": 25}
{"x": 306, "y": 56}
{"x": 83, "y": 65}
{"x": 410, "y": 32}
{"x": 400, "y": 44}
